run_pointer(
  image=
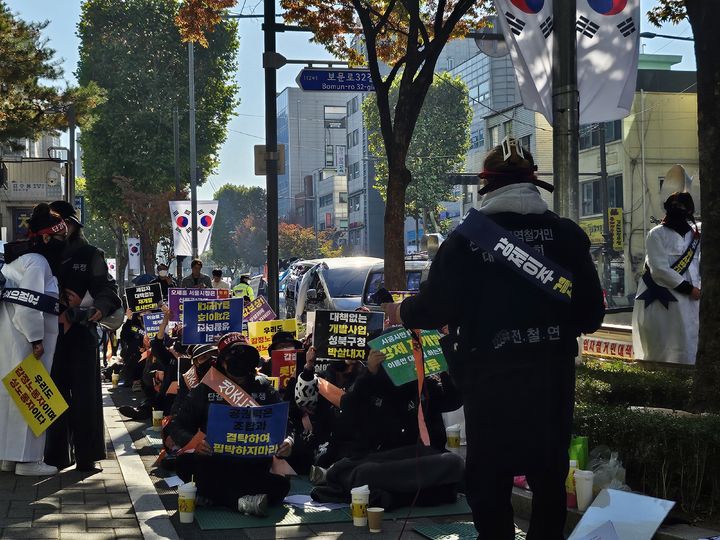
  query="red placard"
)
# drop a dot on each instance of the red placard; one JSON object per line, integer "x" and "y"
{"x": 284, "y": 364}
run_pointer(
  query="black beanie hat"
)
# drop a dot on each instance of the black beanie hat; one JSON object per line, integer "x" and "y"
{"x": 66, "y": 210}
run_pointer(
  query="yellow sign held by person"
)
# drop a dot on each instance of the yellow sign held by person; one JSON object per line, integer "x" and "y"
{"x": 35, "y": 394}
{"x": 260, "y": 333}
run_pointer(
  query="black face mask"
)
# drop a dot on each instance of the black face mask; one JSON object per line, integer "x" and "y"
{"x": 240, "y": 367}
{"x": 677, "y": 218}
{"x": 52, "y": 251}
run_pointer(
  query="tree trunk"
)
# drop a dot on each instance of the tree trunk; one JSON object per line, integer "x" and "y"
{"x": 702, "y": 15}
{"x": 398, "y": 180}
{"x": 121, "y": 257}
{"x": 147, "y": 248}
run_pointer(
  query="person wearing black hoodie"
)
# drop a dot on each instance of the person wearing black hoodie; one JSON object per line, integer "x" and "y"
{"x": 78, "y": 436}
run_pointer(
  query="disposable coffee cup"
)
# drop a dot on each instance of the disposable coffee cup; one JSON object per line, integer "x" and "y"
{"x": 157, "y": 417}
{"x": 375, "y": 518}
{"x": 452, "y": 434}
{"x": 360, "y": 497}
{"x": 584, "y": 489}
{"x": 186, "y": 502}
{"x": 115, "y": 378}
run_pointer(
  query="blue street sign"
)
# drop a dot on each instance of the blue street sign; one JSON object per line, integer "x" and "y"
{"x": 335, "y": 80}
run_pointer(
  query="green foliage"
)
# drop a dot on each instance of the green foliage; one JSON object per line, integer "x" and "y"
{"x": 439, "y": 143}
{"x": 236, "y": 205}
{"x": 97, "y": 229}
{"x": 29, "y": 106}
{"x": 672, "y": 457}
{"x": 667, "y": 11}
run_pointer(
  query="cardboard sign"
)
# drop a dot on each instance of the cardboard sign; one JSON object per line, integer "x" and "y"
{"x": 151, "y": 322}
{"x": 247, "y": 432}
{"x": 176, "y": 296}
{"x": 399, "y": 361}
{"x": 260, "y": 333}
{"x": 284, "y": 364}
{"x": 607, "y": 348}
{"x": 35, "y": 394}
{"x": 205, "y": 321}
{"x": 258, "y": 310}
{"x": 144, "y": 297}
{"x": 344, "y": 335}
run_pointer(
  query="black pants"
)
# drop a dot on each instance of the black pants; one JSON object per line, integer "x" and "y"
{"x": 224, "y": 480}
{"x": 79, "y": 434}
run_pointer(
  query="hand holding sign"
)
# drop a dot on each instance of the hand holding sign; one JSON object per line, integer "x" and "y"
{"x": 375, "y": 358}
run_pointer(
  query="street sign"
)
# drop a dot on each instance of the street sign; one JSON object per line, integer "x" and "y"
{"x": 335, "y": 80}
{"x": 261, "y": 159}
{"x": 80, "y": 207}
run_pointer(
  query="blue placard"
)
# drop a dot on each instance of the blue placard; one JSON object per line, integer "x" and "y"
{"x": 151, "y": 322}
{"x": 336, "y": 80}
{"x": 247, "y": 432}
{"x": 205, "y": 321}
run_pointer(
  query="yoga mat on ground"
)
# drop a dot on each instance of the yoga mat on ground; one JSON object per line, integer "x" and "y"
{"x": 454, "y": 531}
{"x": 458, "y": 507}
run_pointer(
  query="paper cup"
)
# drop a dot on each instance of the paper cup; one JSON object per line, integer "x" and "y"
{"x": 157, "y": 417}
{"x": 115, "y": 378}
{"x": 453, "y": 438}
{"x": 584, "y": 489}
{"x": 360, "y": 497}
{"x": 186, "y": 502}
{"x": 375, "y": 517}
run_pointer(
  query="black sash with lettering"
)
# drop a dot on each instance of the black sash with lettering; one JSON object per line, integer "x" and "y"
{"x": 516, "y": 255}
{"x": 32, "y": 299}
{"x": 660, "y": 293}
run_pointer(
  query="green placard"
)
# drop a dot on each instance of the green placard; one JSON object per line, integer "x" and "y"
{"x": 399, "y": 361}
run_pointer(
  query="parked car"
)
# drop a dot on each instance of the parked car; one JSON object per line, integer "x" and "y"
{"x": 416, "y": 271}
{"x": 333, "y": 284}
{"x": 292, "y": 284}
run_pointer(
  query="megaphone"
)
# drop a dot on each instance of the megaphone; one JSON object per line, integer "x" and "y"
{"x": 431, "y": 243}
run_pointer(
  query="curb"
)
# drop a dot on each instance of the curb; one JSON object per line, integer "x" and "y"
{"x": 522, "y": 505}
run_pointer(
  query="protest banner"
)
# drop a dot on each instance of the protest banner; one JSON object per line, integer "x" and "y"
{"x": 34, "y": 393}
{"x": 344, "y": 335}
{"x": 177, "y": 295}
{"x": 191, "y": 377}
{"x": 258, "y": 310}
{"x": 151, "y": 323}
{"x": 284, "y": 365}
{"x": 247, "y": 432}
{"x": 228, "y": 390}
{"x": 144, "y": 297}
{"x": 399, "y": 361}
{"x": 205, "y": 321}
{"x": 260, "y": 333}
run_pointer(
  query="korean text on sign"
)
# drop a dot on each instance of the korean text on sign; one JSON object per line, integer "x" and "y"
{"x": 205, "y": 321}
{"x": 144, "y": 297}
{"x": 284, "y": 365}
{"x": 35, "y": 394}
{"x": 176, "y": 296}
{"x": 258, "y": 310}
{"x": 344, "y": 335}
{"x": 247, "y": 432}
{"x": 260, "y": 333}
{"x": 151, "y": 323}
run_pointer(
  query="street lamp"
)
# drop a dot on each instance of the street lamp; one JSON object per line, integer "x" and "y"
{"x": 651, "y": 35}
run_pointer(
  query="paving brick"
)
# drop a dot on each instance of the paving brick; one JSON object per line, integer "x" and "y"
{"x": 76, "y": 521}
{"x": 68, "y": 497}
{"x": 122, "y": 511}
{"x": 86, "y": 536}
{"x": 270, "y": 533}
{"x": 94, "y": 508}
{"x": 128, "y": 532}
{"x": 110, "y": 522}
{"x": 42, "y": 532}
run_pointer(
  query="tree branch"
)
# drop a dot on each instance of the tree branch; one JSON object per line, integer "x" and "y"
{"x": 439, "y": 15}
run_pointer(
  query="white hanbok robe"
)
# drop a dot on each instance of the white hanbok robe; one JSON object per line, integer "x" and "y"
{"x": 20, "y": 325}
{"x": 667, "y": 335}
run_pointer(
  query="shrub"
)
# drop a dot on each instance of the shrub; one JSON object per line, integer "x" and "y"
{"x": 672, "y": 457}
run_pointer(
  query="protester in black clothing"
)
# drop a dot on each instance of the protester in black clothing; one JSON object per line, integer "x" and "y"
{"x": 79, "y": 434}
{"x": 196, "y": 279}
{"x": 245, "y": 484}
{"x": 132, "y": 335}
{"x": 164, "y": 279}
{"x": 512, "y": 345}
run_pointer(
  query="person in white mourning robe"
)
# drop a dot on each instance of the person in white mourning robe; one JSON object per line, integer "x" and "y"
{"x": 29, "y": 326}
{"x": 666, "y": 312}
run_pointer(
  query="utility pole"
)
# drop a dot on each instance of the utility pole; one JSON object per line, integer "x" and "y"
{"x": 193, "y": 154}
{"x": 70, "y": 181}
{"x": 271, "y": 156}
{"x": 176, "y": 151}
{"x": 566, "y": 114}
{"x": 607, "y": 284}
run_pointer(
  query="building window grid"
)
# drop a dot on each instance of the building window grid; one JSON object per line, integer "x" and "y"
{"x": 589, "y": 136}
{"x": 590, "y": 204}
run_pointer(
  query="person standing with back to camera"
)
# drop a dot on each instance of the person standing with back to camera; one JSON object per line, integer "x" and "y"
{"x": 29, "y": 328}
{"x": 90, "y": 292}
{"x": 513, "y": 339}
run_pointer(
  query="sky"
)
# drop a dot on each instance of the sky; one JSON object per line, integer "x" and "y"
{"x": 247, "y": 127}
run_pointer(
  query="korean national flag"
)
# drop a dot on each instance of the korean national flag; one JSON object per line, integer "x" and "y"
{"x": 134, "y": 254}
{"x": 181, "y": 221}
{"x": 607, "y": 34}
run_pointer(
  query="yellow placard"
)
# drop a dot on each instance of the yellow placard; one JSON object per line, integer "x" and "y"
{"x": 260, "y": 333}
{"x": 615, "y": 222}
{"x": 35, "y": 394}
{"x": 593, "y": 227}
{"x": 275, "y": 382}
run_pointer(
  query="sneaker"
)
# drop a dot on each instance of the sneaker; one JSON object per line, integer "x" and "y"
{"x": 254, "y": 505}
{"x": 7, "y": 466}
{"x": 37, "y": 468}
{"x": 318, "y": 475}
{"x": 141, "y": 413}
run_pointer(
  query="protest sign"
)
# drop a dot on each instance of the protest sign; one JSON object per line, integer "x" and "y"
{"x": 260, "y": 333}
{"x": 344, "y": 335}
{"x": 35, "y": 394}
{"x": 205, "y": 321}
{"x": 283, "y": 366}
{"x": 176, "y": 296}
{"x": 399, "y": 361}
{"x": 247, "y": 432}
{"x": 144, "y": 297}
{"x": 399, "y": 296}
{"x": 228, "y": 390}
{"x": 151, "y": 323}
{"x": 258, "y": 310}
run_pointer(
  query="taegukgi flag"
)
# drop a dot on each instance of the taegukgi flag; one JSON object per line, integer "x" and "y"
{"x": 607, "y": 34}
{"x": 181, "y": 221}
{"x": 112, "y": 267}
{"x": 134, "y": 254}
